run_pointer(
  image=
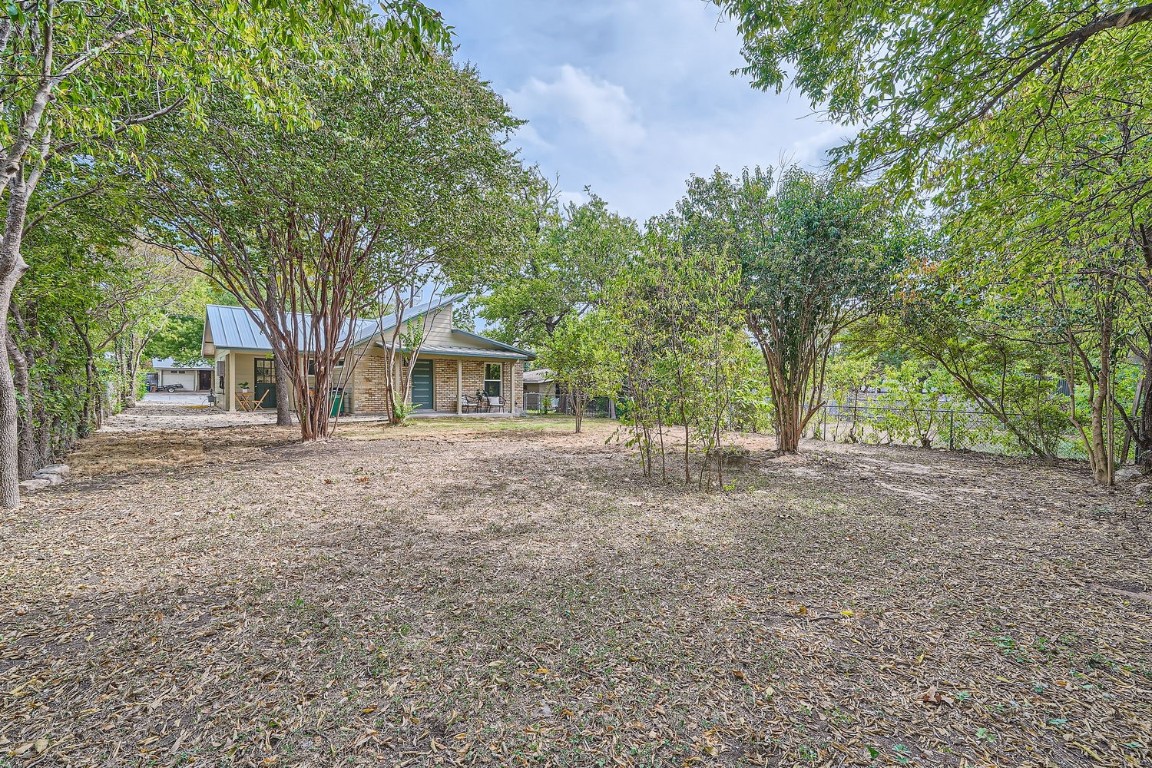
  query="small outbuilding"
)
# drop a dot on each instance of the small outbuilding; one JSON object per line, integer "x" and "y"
{"x": 195, "y": 376}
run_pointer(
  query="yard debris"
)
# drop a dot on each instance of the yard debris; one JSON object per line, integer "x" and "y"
{"x": 438, "y": 615}
{"x": 934, "y": 696}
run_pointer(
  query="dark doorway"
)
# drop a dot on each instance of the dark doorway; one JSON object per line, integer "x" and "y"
{"x": 205, "y": 380}
{"x": 265, "y": 383}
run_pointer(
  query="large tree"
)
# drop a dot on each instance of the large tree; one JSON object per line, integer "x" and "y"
{"x": 81, "y": 78}
{"x": 912, "y": 73}
{"x": 815, "y": 255}
{"x": 569, "y": 257}
{"x": 402, "y": 173}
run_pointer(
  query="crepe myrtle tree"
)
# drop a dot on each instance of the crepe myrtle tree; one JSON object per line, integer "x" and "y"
{"x": 85, "y": 78}
{"x": 403, "y": 171}
{"x": 815, "y": 255}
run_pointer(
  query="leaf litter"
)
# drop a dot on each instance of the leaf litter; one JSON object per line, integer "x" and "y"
{"x": 467, "y": 593}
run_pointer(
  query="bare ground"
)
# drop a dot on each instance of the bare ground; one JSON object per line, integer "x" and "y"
{"x": 508, "y": 593}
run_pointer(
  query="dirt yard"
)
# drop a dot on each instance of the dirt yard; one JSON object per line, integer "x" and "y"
{"x": 508, "y": 593}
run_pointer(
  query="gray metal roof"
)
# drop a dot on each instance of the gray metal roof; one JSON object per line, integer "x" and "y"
{"x": 234, "y": 327}
{"x": 523, "y": 353}
{"x": 538, "y": 376}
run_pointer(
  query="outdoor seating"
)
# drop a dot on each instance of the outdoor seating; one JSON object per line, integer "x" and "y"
{"x": 247, "y": 403}
{"x": 468, "y": 404}
{"x": 494, "y": 402}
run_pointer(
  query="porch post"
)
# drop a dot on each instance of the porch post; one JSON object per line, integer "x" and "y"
{"x": 459, "y": 387}
{"x": 230, "y": 382}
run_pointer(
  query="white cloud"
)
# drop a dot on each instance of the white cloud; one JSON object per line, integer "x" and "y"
{"x": 630, "y": 97}
{"x": 604, "y": 109}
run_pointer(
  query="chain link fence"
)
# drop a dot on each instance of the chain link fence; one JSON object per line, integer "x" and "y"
{"x": 952, "y": 429}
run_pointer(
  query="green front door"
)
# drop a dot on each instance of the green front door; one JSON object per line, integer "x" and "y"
{"x": 422, "y": 389}
{"x": 264, "y": 384}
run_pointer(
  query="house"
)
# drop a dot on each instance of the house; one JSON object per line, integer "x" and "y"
{"x": 540, "y": 391}
{"x": 449, "y": 362}
{"x": 193, "y": 377}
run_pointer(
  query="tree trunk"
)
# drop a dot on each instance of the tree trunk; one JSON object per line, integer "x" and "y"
{"x": 9, "y": 406}
{"x": 1101, "y": 447}
{"x": 283, "y": 394}
{"x": 283, "y": 377}
{"x": 29, "y": 461}
{"x": 1143, "y": 417}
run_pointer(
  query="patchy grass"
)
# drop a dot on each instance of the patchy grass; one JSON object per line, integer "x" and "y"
{"x": 504, "y": 592}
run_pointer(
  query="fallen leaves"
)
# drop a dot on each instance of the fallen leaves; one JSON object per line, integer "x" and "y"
{"x": 460, "y": 621}
{"x": 935, "y": 697}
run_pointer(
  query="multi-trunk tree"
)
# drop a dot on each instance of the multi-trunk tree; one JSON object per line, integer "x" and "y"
{"x": 84, "y": 79}
{"x": 401, "y": 173}
{"x": 815, "y": 255}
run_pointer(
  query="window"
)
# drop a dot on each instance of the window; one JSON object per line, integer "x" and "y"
{"x": 493, "y": 379}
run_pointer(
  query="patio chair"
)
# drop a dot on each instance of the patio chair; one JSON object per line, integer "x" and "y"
{"x": 494, "y": 401}
{"x": 467, "y": 403}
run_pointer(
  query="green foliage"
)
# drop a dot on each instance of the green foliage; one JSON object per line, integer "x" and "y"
{"x": 689, "y": 363}
{"x": 571, "y": 252}
{"x": 179, "y": 339}
{"x": 913, "y": 72}
{"x": 584, "y": 357}
{"x": 815, "y": 256}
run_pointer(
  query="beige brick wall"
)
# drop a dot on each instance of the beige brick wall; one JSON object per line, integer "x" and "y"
{"x": 368, "y": 382}
{"x": 472, "y": 375}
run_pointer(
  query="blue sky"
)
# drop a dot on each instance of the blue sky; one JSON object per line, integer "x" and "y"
{"x": 631, "y": 96}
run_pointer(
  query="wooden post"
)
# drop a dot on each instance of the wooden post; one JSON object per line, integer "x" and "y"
{"x": 230, "y": 382}
{"x": 459, "y": 387}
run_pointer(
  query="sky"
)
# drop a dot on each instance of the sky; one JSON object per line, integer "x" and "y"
{"x": 631, "y": 97}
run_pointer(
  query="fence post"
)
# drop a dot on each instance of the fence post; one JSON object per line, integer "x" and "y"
{"x": 951, "y": 430}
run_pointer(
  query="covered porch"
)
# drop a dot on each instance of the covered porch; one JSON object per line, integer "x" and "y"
{"x": 244, "y": 380}
{"x": 470, "y": 383}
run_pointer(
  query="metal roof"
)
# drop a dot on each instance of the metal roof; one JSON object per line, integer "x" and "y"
{"x": 538, "y": 376}
{"x": 525, "y": 354}
{"x": 234, "y": 327}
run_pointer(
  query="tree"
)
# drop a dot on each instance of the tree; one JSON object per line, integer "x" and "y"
{"x": 689, "y": 362}
{"x": 89, "y": 304}
{"x": 85, "y": 78}
{"x": 569, "y": 260}
{"x": 403, "y": 174}
{"x": 584, "y": 357}
{"x": 914, "y": 73}
{"x": 815, "y": 256}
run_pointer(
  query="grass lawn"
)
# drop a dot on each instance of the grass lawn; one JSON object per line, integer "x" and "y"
{"x": 504, "y": 592}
